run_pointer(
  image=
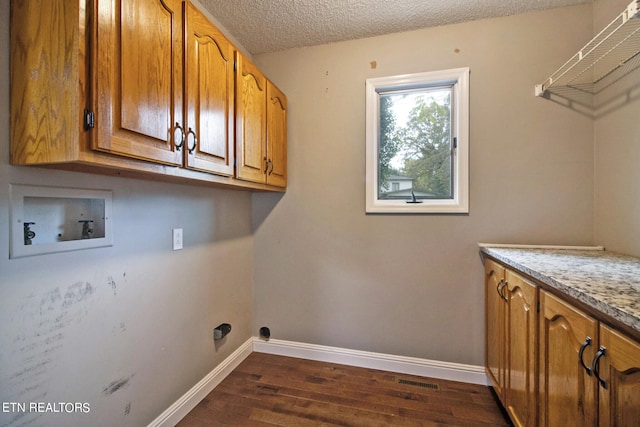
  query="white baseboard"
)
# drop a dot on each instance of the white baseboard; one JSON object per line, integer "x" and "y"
{"x": 190, "y": 399}
{"x": 364, "y": 359}
{"x": 405, "y": 365}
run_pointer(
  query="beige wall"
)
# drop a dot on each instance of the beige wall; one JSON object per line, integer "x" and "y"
{"x": 617, "y": 156}
{"x": 74, "y": 326}
{"x": 326, "y": 273}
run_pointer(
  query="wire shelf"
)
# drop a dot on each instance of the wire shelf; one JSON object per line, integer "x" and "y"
{"x": 607, "y": 58}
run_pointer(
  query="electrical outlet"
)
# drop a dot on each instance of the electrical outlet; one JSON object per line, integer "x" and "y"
{"x": 177, "y": 239}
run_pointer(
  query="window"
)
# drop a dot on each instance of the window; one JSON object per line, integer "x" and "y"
{"x": 417, "y": 134}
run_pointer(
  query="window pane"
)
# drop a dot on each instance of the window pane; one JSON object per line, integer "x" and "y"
{"x": 415, "y": 153}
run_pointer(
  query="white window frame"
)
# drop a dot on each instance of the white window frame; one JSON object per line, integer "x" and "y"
{"x": 458, "y": 79}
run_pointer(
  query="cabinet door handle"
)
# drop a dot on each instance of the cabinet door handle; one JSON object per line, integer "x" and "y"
{"x": 585, "y": 344}
{"x": 195, "y": 141}
{"x": 594, "y": 366}
{"x": 500, "y": 288}
{"x": 270, "y": 162}
{"x": 506, "y": 285}
{"x": 182, "y": 136}
{"x": 266, "y": 165}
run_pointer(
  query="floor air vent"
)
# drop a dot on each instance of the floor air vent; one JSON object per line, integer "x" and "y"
{"x": 430, "y": 386}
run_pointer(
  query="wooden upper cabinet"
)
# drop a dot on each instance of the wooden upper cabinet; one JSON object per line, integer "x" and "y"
{"x": 146, "y": 70}
{"x": 261, "y": 127}
{"x": 146, "y": 87}
{"x": 210, "y": 91}
{"x": 251, "y": 120}
{"x": 48, "y": 81}
{"x": 619, "y": 369}
{"x": 276, "y": 136}
{"x": 568, "y": 394}
{"x": 139, "y": 84}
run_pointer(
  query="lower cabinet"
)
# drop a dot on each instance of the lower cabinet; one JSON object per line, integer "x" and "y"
{"x": 522, "y": 301}
{"x": 550, "y": 363}
{"x": 618, "y": 374}
{"x": 495, "y": 325}
{"x": 568, "y": 338}
{"x": 511, "y": 303}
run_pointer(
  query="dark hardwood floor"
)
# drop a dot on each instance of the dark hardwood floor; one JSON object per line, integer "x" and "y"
{"x": 268, "y": 390}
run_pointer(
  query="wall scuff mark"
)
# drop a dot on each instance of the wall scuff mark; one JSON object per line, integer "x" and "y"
{"x": 35, "y": 348}
{"x": 112, "y": 283}
{"x": 116, "y": 385}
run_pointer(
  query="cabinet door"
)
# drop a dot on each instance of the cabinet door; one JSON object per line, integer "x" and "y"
{"x": 209, "y": 93}
{"x": 251, "y": 121}
{"x": 495, "y": 350}
{"x": 48, "y": 80}
{"x": 568, "y": 394}
{"x": 139, "y": 81}
{"x": 620, "y": 369}
{"x": 521, "y": 338}
{"x": 276, "y": 136}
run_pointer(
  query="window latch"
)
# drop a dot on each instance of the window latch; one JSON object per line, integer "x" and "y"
{"x": 413, "y": 199}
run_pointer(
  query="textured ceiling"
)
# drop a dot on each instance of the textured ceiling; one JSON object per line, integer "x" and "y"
{"x": 270, "y": 25}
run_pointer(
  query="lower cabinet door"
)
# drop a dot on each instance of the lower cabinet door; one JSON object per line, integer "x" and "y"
{"x": 619, "y": 371}
{"x": 568, "y": 394}
{"x": 521, "y": 349}
{"x": 495, "y": 309}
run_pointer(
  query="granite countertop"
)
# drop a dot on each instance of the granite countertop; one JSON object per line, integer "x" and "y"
{"x": 607, "y": 281}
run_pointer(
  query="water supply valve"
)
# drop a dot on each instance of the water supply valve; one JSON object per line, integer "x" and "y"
{"x": 28, "y": 233}
{"x": 87, "y": 230}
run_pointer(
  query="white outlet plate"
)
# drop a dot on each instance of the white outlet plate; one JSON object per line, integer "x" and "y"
{"x": 177, "y": 239}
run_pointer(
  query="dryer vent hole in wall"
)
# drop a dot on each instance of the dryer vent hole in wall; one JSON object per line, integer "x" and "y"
{"x": 265, "y": 333}
{"x": 430, "y": 386}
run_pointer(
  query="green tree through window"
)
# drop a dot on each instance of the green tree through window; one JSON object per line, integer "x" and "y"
{"x": 388, "y": 140}
{"x": 420, "y": 149}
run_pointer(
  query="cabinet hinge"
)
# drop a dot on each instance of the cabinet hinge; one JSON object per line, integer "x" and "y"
{"x": 455, "y": 142}
{"x": 89, "y": 119}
